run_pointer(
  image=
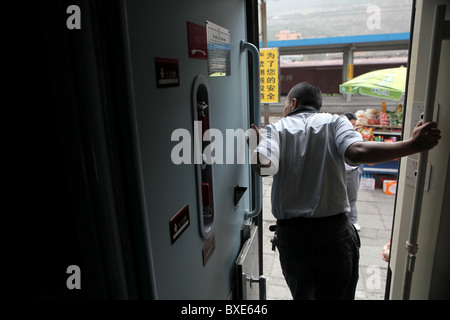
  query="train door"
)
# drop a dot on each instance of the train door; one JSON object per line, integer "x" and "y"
{"x": 422, "y": 271}
{"x": 153, "y": 101}
{"x": 190, "y": 78}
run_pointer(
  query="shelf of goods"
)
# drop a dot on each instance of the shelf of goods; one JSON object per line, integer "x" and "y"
{"x": 387, "y": 134}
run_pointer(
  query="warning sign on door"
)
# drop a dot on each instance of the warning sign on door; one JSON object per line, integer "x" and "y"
{"x": 269, "y": 74}
{"x": 197, "y": 41}
{"x": 218, "y": 39}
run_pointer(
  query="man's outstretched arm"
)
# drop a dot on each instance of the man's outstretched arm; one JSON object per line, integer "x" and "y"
{"x": 424, "y": 137}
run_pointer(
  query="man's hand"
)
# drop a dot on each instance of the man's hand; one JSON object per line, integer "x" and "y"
{"x": 425, "y": 136}
{"x": 258, "y": 133}
{"x": 258, "y": 165}
{"x": 386, "y": 251}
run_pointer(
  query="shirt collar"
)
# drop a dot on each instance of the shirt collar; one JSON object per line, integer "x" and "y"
{"x": 306, "y": 109}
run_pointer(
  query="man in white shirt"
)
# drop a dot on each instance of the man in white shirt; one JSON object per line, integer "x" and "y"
{"x": 306, "y": 152}
{"x": 352, "y": 182}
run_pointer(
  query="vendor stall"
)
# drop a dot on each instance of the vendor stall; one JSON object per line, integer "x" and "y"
{"x": 379, "y": 125}
{"x": 384, "y": 126}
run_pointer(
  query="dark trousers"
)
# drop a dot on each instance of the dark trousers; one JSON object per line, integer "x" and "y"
{"x": 319, "y": 257}
{"x": 352, "y": 193}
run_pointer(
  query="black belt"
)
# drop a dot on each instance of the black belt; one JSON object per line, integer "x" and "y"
{"x": 301, "y": 221}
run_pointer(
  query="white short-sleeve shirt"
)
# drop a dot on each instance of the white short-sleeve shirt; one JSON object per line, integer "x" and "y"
{"x": 307, "y": 151}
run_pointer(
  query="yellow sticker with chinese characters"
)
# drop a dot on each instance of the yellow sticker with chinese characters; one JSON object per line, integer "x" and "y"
{"x": 269, "y": 75}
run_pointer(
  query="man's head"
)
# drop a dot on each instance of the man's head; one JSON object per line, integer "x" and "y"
{"x": 303, "y": 94}
{"x": 350, "y": 116}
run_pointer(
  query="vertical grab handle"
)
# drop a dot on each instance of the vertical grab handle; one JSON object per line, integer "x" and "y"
{"x": 256, "y": 190}
{"x": 430, "y": 93}
{"x": 201, "y": 113}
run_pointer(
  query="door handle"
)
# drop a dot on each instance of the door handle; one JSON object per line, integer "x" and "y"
{"x": 262, "y": 286}
{"x": 256, "y": 189}
{"x": 261, "y": 280}
{"x": 203, "y": 171}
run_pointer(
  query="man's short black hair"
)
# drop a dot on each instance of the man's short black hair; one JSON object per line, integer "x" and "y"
{"x": 350, "y": 116}
{"x": 306, "y": 94}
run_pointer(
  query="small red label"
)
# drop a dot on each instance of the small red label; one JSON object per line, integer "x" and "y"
{"x": 167, "y": 73}
{"x": 197, "y": 41}
{"x": 179, "y": 223}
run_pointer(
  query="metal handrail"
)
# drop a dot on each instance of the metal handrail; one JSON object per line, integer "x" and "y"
{"x": 257, "y": 121}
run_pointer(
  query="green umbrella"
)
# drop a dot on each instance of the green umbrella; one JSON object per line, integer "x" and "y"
{"x": 386, "y": 83}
